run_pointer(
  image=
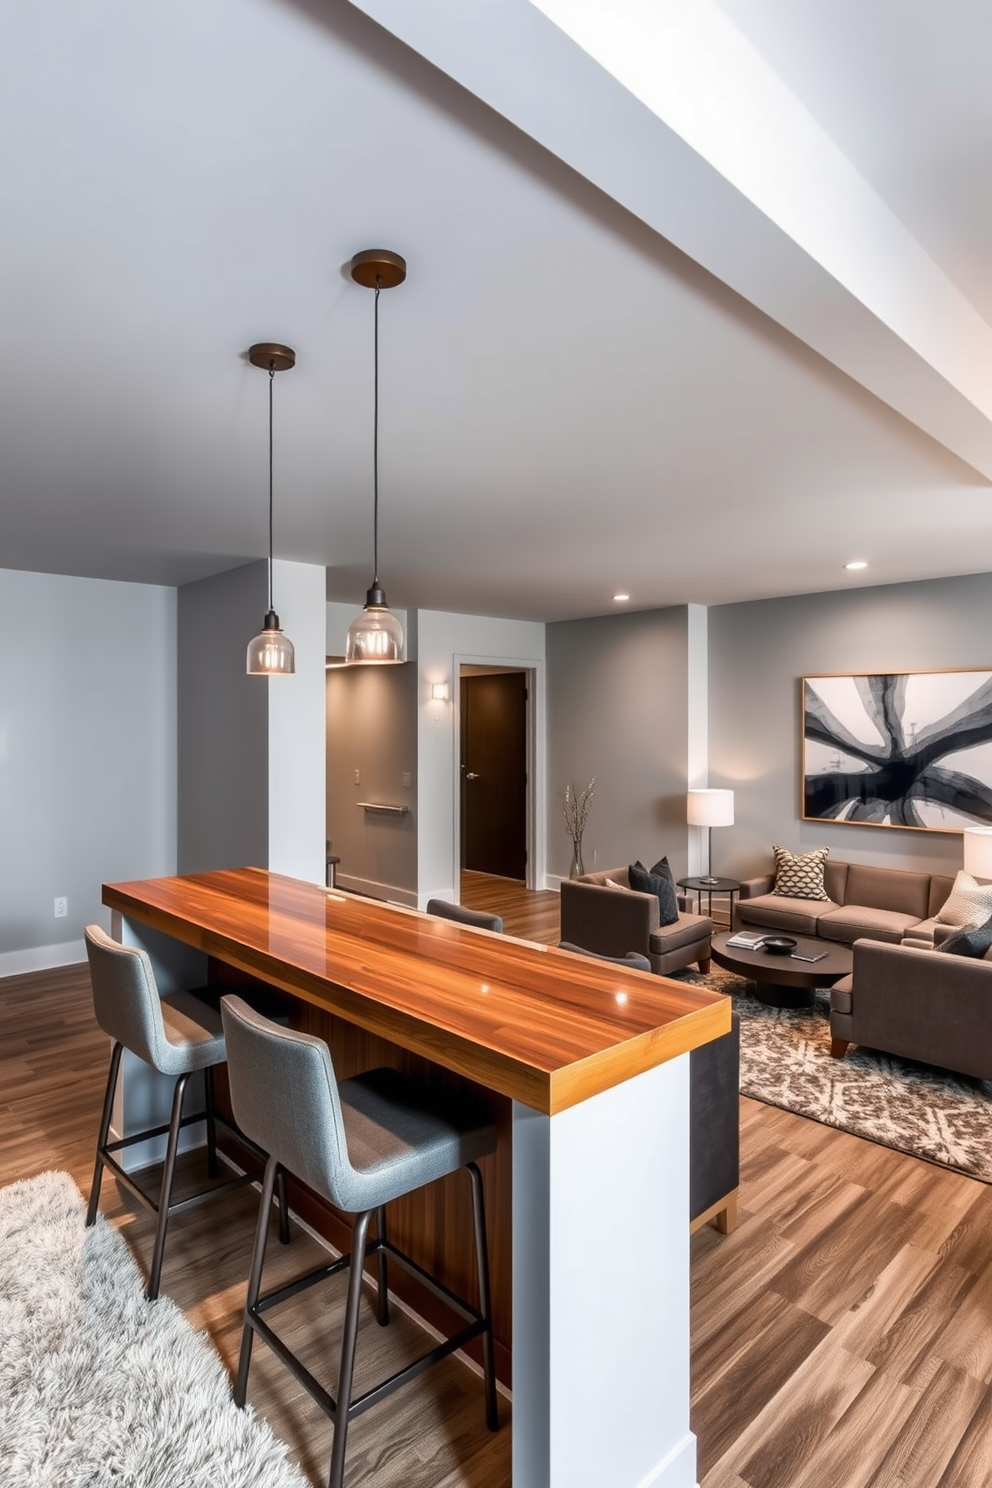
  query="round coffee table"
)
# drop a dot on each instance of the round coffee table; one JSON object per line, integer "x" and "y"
{"x": 781, "y": 981}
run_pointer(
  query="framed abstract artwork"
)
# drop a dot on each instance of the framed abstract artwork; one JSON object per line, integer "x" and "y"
{"x": 898, "y": 749}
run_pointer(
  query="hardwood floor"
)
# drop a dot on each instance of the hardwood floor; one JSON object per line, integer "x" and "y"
{"x": 842, "y": 1335}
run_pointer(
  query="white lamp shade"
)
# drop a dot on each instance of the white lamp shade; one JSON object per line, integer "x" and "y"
{"x": 710, "y": 808}
{"x": 978, "y": 852}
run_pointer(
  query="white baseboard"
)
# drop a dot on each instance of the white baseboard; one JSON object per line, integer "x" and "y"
{"x": 42, "y": 958}
{"x": 387, "y": 892}
{"x": 554, "y": 881}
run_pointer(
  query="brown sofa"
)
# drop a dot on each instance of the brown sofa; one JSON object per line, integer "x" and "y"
{"x": 918, "y": 1003}
{"x": 885, "y": 904}
{"x": 614, "y": 921}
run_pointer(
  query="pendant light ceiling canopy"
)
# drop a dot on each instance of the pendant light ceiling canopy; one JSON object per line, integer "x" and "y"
{"x": 271, "y": 653}
{"x": 376, "y": 636}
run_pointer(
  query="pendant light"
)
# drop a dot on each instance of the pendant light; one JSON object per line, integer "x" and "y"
{"x": 271, "y": 653}
{"x": 376, "y": 636}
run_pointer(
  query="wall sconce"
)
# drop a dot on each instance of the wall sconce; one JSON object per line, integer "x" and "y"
{"x": 439, "y": 692}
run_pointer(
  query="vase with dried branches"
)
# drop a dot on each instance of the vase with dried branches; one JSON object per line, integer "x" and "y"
{"x": 575, "y": 809}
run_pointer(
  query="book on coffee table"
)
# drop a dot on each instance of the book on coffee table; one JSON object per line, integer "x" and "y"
{"x": 746, "y": 940}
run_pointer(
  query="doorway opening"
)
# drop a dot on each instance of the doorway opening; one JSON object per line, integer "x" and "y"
{"x": 494, "y": 791}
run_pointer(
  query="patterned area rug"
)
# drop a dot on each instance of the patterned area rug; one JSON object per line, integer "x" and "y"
{"x": 915, "y": 1108}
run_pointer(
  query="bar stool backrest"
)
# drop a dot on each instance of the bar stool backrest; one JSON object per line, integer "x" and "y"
{"x": 477, "y": 918}
{"x": 633, "y": 959}
{"x": 285, "y": 1097}
{"x": 126, "y": 999}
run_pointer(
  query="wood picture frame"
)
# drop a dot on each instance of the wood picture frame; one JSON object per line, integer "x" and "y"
{"x": 898, "y": 749}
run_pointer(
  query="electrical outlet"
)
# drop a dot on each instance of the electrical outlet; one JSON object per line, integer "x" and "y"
{"x": 358, "y": 777}
{"x": 61, "y": 908}
{"x": 405, "y": 779}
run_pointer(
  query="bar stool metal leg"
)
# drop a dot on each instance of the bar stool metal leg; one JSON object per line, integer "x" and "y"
{"x": 348, "y": 1339}
{"x": 284, "y": 1235}
{"x": 208, "y": 1090}
{"x": 485, "y": 1298}
{"x": 382, "y": 1311}
{"x": 165, "y": 1197}
{"x": 101, "y": 1141}
{"x": 255, "y": 1279}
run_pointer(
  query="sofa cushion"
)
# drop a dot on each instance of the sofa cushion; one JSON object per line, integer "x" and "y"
{"x": 940, "y": 887}
{"x": 835, "y": 881}
{"x": 842, "y": 995}
{"x": 799, "y": 875}
{"x": 660, "y": 884}
{"x": 969, "y": 902}
{"x": 970, "y": 940}
{"x": 851, "y": 922}
{"x": 689, "y": 929}
{"x": 922, "y": 934}
{"x": 889, "y": 888}
{"x": 776, "y": 912}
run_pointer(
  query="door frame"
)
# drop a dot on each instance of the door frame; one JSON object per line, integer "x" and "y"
{"x": 535, "y": 756}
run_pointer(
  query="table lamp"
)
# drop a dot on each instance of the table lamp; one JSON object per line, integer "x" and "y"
{"x": 978, "y": 852}
{"x": 710, "y": 808}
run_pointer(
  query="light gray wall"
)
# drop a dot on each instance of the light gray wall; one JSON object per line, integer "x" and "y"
{"x": 223, "y": 724}
{"x": 372, "y": 728}
{"x": 757, "y": 654}
{"x": 617, "y": 709}
{"x": 87, "y": 754}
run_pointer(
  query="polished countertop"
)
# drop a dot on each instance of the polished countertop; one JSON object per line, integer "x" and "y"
{"x": 546, "y": 1027}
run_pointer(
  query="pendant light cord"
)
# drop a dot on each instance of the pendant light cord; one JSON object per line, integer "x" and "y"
{"x": 272, "y": 378}
{"x": 375, "y": 445}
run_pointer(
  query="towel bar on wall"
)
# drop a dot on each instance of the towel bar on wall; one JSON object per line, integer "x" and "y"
{"x": 388, "y": 810}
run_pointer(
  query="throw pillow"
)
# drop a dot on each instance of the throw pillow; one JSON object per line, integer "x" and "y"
{"x": 663, "y": 888}
{"x": 970, "y": 940}
{"x": 611, "y": 883}
{"x": 968, "y": 903}
{"x": 663, "y": 869}
{"x": 800, "y": 875}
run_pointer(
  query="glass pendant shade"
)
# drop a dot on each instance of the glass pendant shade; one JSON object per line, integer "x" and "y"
{"x": 375, "y": 636}
{"x": 271, "y": 653}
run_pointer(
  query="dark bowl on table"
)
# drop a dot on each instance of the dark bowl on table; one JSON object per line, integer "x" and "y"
{"x": 779, "y": 945}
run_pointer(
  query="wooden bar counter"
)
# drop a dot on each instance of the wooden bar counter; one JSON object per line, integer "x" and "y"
{"x": 581, "y": 1060}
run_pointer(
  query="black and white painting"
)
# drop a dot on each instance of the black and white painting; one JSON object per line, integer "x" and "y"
{"x": 899, "y": 749}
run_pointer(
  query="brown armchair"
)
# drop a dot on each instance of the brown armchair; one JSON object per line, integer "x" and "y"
{"x": 917, "y": 1003}
{"x": 614, "y": 921}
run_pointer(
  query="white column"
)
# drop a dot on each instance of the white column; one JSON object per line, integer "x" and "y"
{"x": 697, "y": 740}
{"x": 601, "y": 1289}
{"x": 297, "y": 746}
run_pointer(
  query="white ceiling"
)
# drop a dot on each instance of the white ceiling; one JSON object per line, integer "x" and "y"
{"x": 570, "y": 404}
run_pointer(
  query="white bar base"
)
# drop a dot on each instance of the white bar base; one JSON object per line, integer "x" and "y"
{"x": 601, "y": 1289}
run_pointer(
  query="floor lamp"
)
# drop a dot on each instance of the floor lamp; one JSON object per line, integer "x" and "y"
{"x": 710, "y": 808}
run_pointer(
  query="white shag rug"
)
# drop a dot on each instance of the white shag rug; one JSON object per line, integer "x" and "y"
{"x": 98, "y": 1387}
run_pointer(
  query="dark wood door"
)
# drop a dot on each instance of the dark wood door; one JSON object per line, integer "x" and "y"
{"x": 494, "y": 774}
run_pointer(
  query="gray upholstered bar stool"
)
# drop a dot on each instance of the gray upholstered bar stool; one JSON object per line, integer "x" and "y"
{"x": 461, "y": 916}
{"x": 360, "y": 1145}
{"x": 176, "y": 1035}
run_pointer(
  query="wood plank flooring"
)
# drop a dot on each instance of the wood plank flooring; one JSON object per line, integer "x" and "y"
{"x": 842, "y": 1336}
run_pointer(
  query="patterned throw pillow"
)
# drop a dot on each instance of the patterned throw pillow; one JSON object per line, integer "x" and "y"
{"x": 970, "y": 940}
{"x": 800, "y": 875}
{"x": 968, "y": 903}
{"x": 658, "y": 884}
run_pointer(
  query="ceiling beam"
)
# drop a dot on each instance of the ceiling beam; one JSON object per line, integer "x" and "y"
{"x": 672, "y": 113}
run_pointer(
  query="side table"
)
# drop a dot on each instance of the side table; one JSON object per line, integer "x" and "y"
{"x": 709, "y": 887}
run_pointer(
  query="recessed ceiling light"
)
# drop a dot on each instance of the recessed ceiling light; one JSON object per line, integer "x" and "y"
{"x": 856, "y": 563}
{"x": 621, "y": 597}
